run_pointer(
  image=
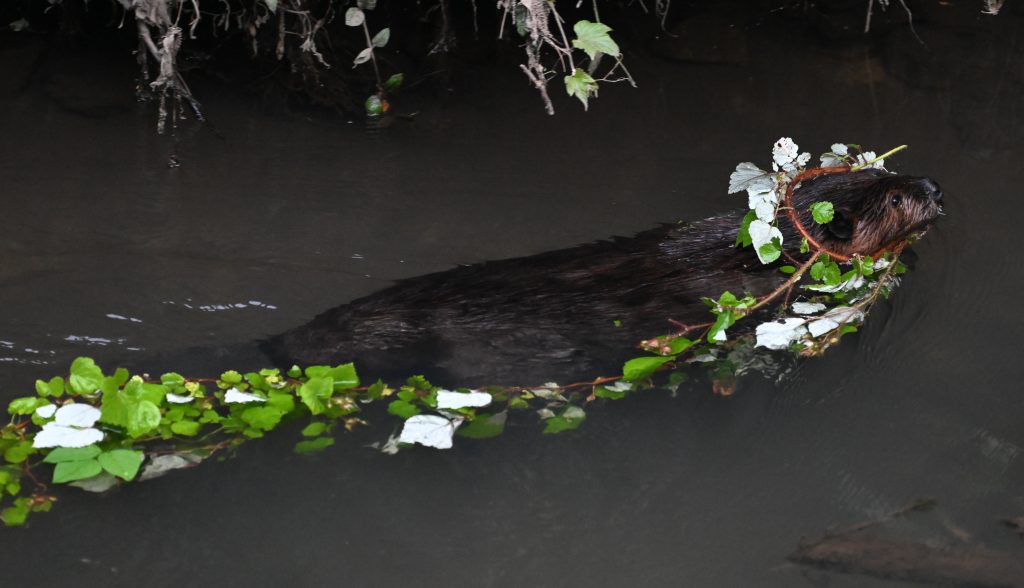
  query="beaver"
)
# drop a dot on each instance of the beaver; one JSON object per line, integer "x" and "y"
{"x": 579, "y": 312}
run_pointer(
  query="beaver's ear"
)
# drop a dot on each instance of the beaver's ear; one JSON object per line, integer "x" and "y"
{"x": 841, "y": 225}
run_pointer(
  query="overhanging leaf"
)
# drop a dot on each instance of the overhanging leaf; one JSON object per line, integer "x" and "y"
{"x": 593, "y": 38}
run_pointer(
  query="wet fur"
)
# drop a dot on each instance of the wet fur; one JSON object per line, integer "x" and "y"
{"x": 551, "y": 316}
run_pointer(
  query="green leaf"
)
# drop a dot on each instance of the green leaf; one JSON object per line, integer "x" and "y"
{"x": 281, "y": 401}
{"x": 402, "y": 408}
{"x": 822, "y": 212}
{"x": 724, "y": 320}
{"x": 172, "y": 379}
{"x": 314, "y": 429}
{"x": 294, "y": 371}
{"x": 354, "y": 17}
{"x": 313, "y": 445}
{"x": 62, "y": 454}
{"x": 186, "y": 427}
{"x": 376, "y": 391}
{"x": 804, "y": 246}
{"x": 316, "y": 392}
{"x": 69, "y": 471}
{"x": 483, "y": 426}
{"x": 602, "y": 392}
{"x": 381, "y": 38}
{"x": 231, "y": 377}
{"x": 770, "y": 251}
{"x": 639, "y": 368}
{"x": 345, "y": 376}
{"x": 19, "y": 452}
{"x": 679, "y": 345}
{"x": 743, "y": 237}
{"x": 86, "y": 376}
{"x": 572, "y": 417}
{"x": 264, "y": 418}
{"x": 123, "y": 463}
{"x": 143, "y": 417}
{"x": 787, "y": 269}
{"x": 15, "y": 516}
{"x": 394, "y": 82}
{"x": 26, "y": 405}
{"x": 580, "y": 85}
{"x": 593, "y": 38}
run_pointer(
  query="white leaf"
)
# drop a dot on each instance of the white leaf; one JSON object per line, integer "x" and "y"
{"x": 762, "y": 233}
{"x": 177, "y": 399}
{"x": 429, "y": 430}
{"x": 573, "y": 412}
{"x": 161, "y": 464}
{"x": 802, "y": 159}
{"x": 833, "y": 319}
{"x": 831, "y": 160}
{"x": 784, "y": 151}
{"x": 46, "y": 411}
{"x": 844, "y": 286}
{"x": 807, "y": 307}
{"x": 867, "y": 156}
{"x": 54, "y": 435}
{"x": 747, "y": 174}
{"x": 19, "y": 25}
{"x": 271, "y": 4}
{"x": 840, "y": 149}
{"x": 449, "y": 399}
{"x": 363, "y": 56}
{"x": 236, "y": 396}
{"x": 719, "y": 336}
{"x": 354, "y": 17}
{"x": 101, "y": 482}
{"x": 620, "y": 386}
{"x": 77, "y": 415}
{"x": 765, "y": 211}
{"x": 778, "y": 335}
{"x": 381, "y": 38}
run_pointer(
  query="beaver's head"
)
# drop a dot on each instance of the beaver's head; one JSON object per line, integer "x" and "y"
{"x": 873, "y": 208}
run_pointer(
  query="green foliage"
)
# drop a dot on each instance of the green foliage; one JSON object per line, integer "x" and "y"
{"x": 640, "y": 368}
{"x": 822, "y": 212}
{"x": 593, "y": 38}
{"x": 581, "y": 85}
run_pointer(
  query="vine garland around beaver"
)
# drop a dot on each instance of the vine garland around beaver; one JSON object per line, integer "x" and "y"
{"x": 100, "y": 430}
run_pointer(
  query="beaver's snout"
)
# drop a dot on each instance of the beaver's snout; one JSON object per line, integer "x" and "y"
{"x": 932, "y": 190}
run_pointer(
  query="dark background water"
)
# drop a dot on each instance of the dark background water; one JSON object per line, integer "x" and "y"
{"x": 283, "y": 216}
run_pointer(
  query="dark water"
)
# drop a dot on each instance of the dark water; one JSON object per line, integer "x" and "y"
{"x": 283, "y": 217}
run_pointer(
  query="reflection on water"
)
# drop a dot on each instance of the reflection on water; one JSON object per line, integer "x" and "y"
{"x": 116, "y": 255}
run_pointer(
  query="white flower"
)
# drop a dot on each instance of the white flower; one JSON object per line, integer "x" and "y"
{"x": 71, "y": 427}
{"x": 449, "y": 399}
{"x": 429, "y": 430}
{"x": 236, "y": 396}
{"x": 787, "y": 157}
{"x": 778, "y": 335}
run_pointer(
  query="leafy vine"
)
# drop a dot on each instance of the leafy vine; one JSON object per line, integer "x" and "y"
{"x": 95, "y": 430}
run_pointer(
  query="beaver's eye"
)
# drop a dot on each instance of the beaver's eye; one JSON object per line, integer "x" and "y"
{"x": 896, "y": 200}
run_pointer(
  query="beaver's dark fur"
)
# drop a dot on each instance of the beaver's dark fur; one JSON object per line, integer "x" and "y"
{"x": 553, "y": 315}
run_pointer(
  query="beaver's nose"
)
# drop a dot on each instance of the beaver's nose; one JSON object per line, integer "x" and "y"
{"x": 932, "y": 190}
